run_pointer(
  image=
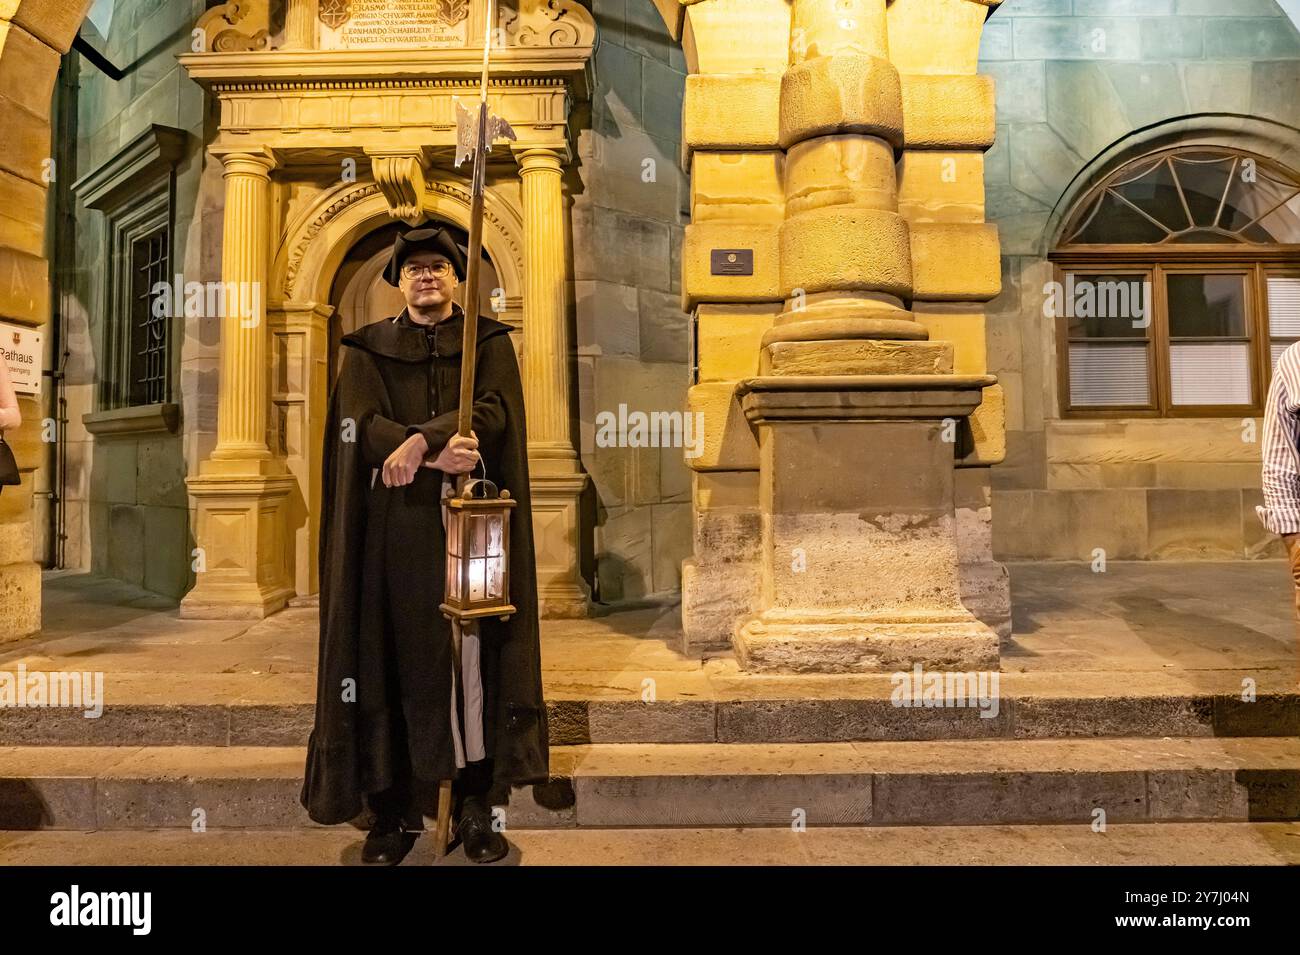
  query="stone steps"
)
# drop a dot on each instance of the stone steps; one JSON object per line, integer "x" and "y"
{"x": 1162, "y": 844}
{"x": 701, "y": 785}
{"x": 259, "y": 719}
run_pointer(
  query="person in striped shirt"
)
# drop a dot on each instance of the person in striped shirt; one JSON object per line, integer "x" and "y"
{"x": 1280, "y": 512}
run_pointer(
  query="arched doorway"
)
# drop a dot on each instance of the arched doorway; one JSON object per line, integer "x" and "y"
{"x": 360, "y": 295}
{"x": 325, "y": 281}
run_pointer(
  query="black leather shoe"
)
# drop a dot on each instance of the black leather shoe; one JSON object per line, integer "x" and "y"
{"x": 387, "y": 843}
{"x": 475, "y": 832}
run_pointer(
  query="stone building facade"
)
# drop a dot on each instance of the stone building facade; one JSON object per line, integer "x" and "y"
{"x": 127, "y": 512}
{"x": 1083, "y": 89}
{"x": 821, "y": 230}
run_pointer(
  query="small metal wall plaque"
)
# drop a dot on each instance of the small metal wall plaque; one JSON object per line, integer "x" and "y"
{"x": 731, "y": 261}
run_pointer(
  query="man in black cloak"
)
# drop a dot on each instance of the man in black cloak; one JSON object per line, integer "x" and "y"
{"x": 390, "y": 720}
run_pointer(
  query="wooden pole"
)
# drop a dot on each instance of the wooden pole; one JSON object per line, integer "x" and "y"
{"x": 468, "y": 363}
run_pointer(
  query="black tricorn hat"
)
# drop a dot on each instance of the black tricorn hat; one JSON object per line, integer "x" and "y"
{"x": 427, "y": 238}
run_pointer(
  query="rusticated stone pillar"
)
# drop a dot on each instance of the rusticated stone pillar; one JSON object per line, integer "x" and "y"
{"x": 856, "y": 411}
{"x": 846, "y": 267}
{"x": 241, "y": 493}
{"x": 949, "y": 124}
{"x": 736, "y": 51}
{"x": 557, "y": 479}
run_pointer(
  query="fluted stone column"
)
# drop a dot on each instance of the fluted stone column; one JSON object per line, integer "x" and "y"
{"x": 855, "y": 410}
{"x": 300, "y": 25}
{"x": 241, "y": 493}
{"x": 244, "y": 400}
{"x": 557, "y": 479}
{"x": 546, "y": 333}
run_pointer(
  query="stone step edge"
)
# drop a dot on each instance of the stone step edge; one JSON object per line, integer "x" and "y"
{"x": 678, "y": 786}
{"x": 1167, "y": 843}
{"x": 575, "y": 722}
{"x": 659, "y": 760}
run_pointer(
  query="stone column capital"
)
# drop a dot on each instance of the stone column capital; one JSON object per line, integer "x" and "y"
{"x": 257, "y": 161}
{"x": 540, "y": 158}
{"x": 811, "y": 398}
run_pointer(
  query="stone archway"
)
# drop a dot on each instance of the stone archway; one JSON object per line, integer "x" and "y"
{"x": 34, "y": 34}
{"x": 314, "y": 244}
{"x": 302, "y": 274}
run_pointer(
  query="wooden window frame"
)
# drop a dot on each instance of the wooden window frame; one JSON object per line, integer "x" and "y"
{"x": 1255, "y": 262}
{"x": 1151, "y": 409}
{"x": 1265, "y": 271}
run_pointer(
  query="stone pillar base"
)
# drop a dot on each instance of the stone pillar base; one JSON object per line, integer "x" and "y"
{"x": 243, "y": 569}
{"x": 859, "y": 550}
{"x": 986, "y": 592}
{"x": 849, "y": 643}
{"x": 556, "y": 486}
{"x": 20, "y": 598}
{"x": 714, "y": 596}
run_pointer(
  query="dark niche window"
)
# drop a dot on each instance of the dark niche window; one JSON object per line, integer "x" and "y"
{"x": 148, "y": 377}
{"x": 1177, "y": 287}
{"x": 134, "y": 313}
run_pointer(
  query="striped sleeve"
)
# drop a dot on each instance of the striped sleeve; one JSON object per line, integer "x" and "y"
{"x": 1280, "y": 512}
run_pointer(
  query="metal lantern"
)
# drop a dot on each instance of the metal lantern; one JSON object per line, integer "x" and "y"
{"x": 478, "y": 553}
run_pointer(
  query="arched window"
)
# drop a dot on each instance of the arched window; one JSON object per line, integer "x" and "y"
{"x": 1177, "y": 286}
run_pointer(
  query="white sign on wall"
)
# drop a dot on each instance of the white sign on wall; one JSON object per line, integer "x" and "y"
{"x": 22, "y": 349}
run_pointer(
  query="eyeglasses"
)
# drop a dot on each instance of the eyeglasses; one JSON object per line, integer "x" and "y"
{"x": 438, "y": 269}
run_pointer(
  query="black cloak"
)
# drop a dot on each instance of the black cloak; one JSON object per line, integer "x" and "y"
{"x": 373, "y": 538}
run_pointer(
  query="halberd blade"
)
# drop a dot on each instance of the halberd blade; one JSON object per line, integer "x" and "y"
{"x": 467, "y": 131}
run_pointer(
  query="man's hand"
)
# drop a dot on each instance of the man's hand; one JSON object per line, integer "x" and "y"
{"x": 460, "y": 456}
{"x": 400, "y": 468}
{"x": 1292, "y": 542}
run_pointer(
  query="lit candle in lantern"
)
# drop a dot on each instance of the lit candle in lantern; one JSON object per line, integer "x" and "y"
{"x": 478, "y": 553}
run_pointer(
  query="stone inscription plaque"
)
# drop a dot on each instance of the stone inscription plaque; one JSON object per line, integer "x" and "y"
{"x": 393, "y": 24}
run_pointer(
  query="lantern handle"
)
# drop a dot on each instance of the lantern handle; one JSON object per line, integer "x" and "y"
{"x": 474, "y": 484}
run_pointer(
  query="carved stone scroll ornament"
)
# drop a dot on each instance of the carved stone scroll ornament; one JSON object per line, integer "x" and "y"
{"x": 235, "y": 27}
{"x": 551, "y": 23}
{"x": 400, "y": 176}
